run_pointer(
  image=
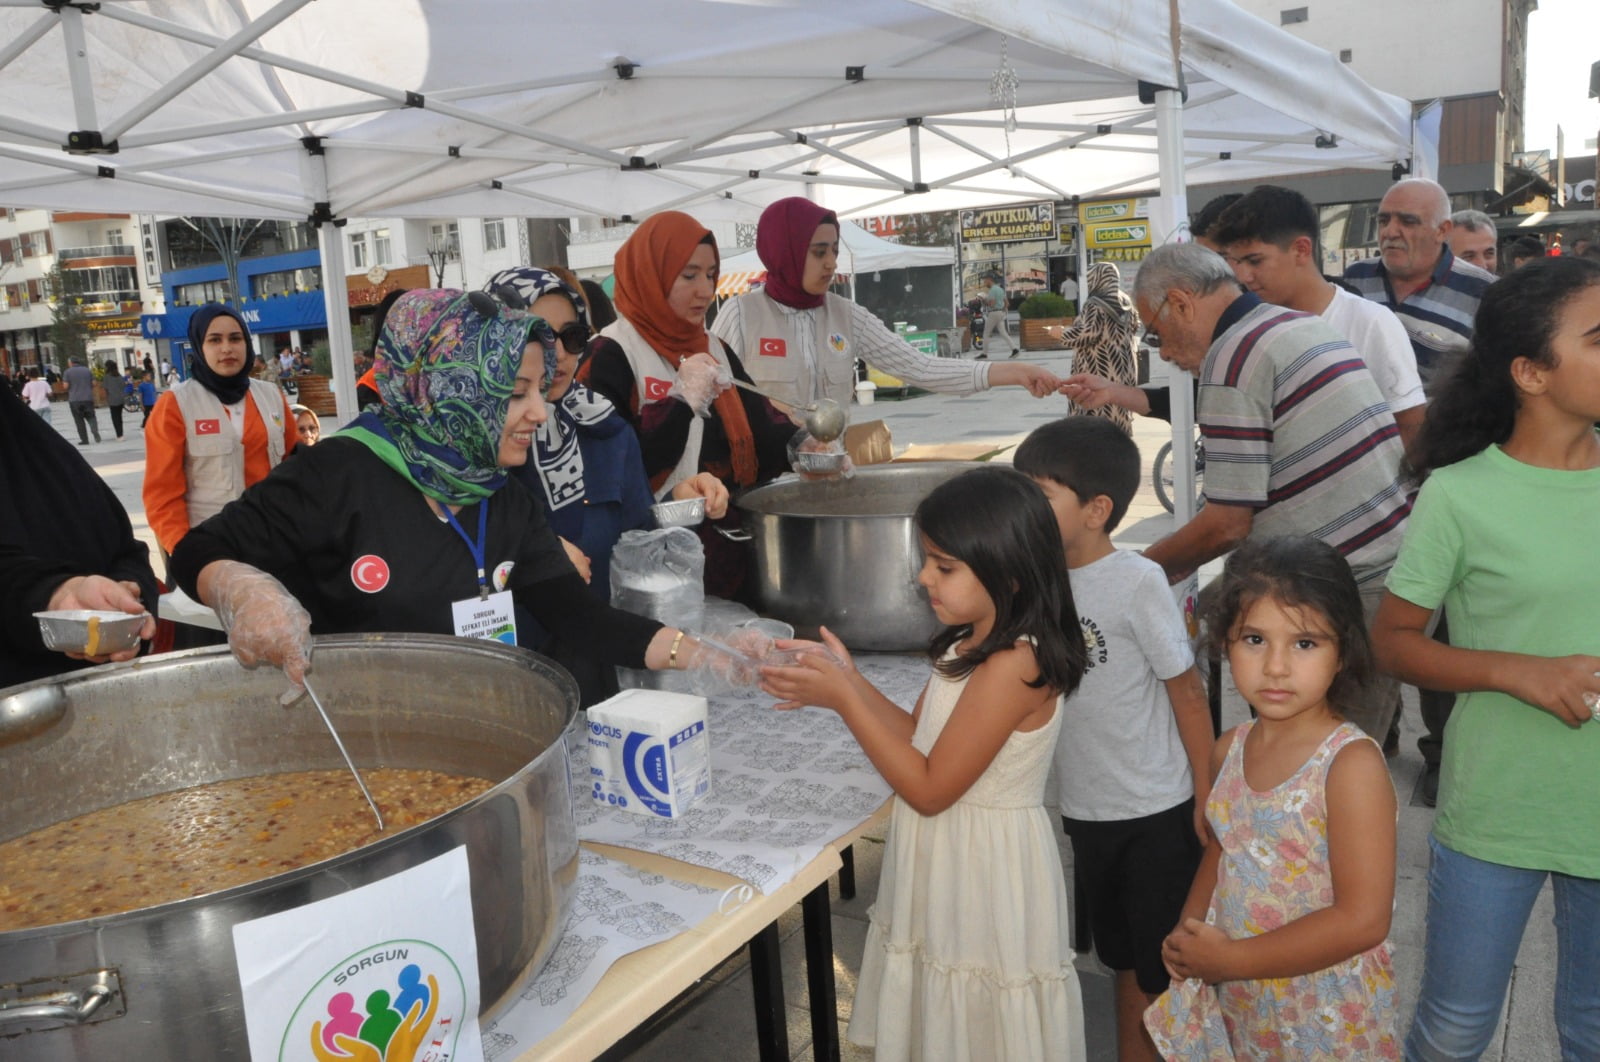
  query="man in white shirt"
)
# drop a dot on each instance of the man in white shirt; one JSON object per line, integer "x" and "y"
{"x": 1270, "y": 238}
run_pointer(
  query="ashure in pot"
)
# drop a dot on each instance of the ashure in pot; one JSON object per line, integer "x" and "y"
{"x": 844, "y": 553}
{"x": 161, "y": 982}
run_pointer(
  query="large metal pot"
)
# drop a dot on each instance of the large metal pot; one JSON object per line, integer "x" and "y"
{"x": 844, "y": 553}
{"x": 98, "y": 738}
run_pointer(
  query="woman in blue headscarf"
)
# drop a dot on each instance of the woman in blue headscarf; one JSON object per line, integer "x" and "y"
{"x": 403, "y": 521}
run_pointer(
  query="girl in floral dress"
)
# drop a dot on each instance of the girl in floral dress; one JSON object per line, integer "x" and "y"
{"x": 1291, "y": 958}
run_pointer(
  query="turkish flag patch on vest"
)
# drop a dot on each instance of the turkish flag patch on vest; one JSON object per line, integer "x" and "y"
{"x": 208, "y": 427}
{"x": 773, "y": 348}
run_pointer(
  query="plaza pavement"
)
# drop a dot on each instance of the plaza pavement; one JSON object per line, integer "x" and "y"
{"x": 715, "y": 1019}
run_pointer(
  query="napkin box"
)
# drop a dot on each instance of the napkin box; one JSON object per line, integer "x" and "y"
{"x": 649, "y": 752}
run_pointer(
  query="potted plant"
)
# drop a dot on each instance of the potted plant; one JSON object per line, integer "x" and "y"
{"x": 314, "y": 390}
{"x": 1043, "y": 314}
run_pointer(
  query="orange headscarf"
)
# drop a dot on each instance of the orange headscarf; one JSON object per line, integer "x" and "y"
{"x": 647, "y": 265}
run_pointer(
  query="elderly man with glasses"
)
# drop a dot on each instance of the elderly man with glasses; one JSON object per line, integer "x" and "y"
{"x": 1298, "y": 438}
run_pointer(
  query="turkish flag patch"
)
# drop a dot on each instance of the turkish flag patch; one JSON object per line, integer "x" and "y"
{"x": 369, "y": 573}
{"x": 655, "y": 390}
{"x": 208, "y": 427}
{"x": 773, "y": 348}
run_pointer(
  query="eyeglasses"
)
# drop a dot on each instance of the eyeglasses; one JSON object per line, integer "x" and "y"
{"x": 575, "y": 337}
{"x": 506, "y": 301}
{"x": 1146, "y": 336}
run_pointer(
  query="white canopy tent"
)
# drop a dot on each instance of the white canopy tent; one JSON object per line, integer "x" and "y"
{"x": 430, "y": 108}
{"x": 859, "y": 252}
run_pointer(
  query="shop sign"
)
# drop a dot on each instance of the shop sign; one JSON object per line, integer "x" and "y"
{"x": 1009, "y": 224}
{"x": 1123, "y": 254}
{"x": 1113, "y": 210}
{"x": 111, "y": 324}
{"x": 388, "y": 970}
{"x": 1133, "y": 233}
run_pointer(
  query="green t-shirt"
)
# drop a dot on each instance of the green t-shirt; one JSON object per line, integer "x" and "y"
{"x": 1511, "y": 551}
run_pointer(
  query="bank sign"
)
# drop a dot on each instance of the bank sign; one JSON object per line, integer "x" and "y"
{"x": 1009, "y": 224}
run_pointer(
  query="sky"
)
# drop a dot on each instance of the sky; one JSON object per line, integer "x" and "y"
{"x": 1563, "y": 40}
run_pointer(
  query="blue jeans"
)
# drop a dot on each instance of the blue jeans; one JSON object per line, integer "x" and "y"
{"x": 1476, "y": 914}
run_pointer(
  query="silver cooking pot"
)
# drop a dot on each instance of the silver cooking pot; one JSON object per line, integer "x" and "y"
{"x": 161, "y": 982}
{"x": 844, "y": 554}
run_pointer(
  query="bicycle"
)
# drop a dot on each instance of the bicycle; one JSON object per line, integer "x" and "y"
{"x": 1161, "y": 473}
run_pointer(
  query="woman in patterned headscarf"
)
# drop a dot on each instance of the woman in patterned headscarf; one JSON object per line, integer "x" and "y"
{"x": 400, "y": 522}
{"x": 1105, "y": 337}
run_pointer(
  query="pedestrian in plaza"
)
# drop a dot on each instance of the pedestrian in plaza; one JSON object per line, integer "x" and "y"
{"x": 1503, "y": 537}
{"x": 37, "y": 393}
{"x": 1104, "y": 339}
{"x": 800, "y": 341}
{"x": 167, "y": 373}
{"x": 406, "y": 520}
{"x": 674, "y": 383}
{"x": 967, "y": 954}
{"x": 148, "y": 366}
{"x": 307, "y": 426}
{"x": 1525, "y": 249}
{"x": 1132, "y": 760}
{"x": 1298, "y": 438}
{"x": 147, "y": 396}
{"x": 215, "y": 433}
{"x": 65, "y": 543}
{"x": 995, "y": 311}
{"x": 117, "y": 390}
{"x": 1282, "y": 950}
{"x": 1474, "y": 239}
{"x": 80, "y": 399}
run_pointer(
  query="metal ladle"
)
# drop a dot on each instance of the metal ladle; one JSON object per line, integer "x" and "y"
{"x": 824, "y": 422}
{"x": 373, "y": 804}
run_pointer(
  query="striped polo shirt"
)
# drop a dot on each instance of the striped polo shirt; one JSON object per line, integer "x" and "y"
{"x": 1438, "y": 316}
{"x": 1295, "y": 427}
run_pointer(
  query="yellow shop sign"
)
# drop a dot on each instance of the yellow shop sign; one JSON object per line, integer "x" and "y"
{"x": 1135, "y": 233}
{"x": 1112, "y": 210}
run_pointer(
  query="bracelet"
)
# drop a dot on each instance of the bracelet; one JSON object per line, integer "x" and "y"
{"x": 672, "y": 657}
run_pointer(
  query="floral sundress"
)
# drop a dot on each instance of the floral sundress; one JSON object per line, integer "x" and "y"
{"x": 1274, "y": 869}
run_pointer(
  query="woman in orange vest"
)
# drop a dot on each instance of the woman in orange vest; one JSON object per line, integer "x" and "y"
{"x": 215, "y": 433}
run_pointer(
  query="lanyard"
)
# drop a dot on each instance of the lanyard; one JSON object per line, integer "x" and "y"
{"x": 477, "y": 548}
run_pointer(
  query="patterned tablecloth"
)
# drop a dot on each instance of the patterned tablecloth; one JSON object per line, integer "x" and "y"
{"x": 783, "y": 784}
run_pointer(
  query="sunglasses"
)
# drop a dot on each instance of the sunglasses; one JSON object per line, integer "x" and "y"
{"x": 506, "y": 300}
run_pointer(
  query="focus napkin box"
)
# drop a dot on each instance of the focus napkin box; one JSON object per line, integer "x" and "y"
{"x": 649, "y": 752}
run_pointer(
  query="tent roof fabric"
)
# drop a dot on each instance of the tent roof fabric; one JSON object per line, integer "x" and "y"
{"x": 431, "y": 108}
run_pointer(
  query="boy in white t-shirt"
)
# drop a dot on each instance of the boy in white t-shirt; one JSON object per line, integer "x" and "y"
{"x": 1133, "y": 757}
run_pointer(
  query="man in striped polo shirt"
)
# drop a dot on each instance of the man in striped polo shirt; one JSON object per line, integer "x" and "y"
{"x": 1298, "y": 438}
{"x": 1434, "y": 293}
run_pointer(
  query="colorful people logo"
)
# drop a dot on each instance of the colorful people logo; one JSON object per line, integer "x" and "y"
{"x": 393, "y": 1029}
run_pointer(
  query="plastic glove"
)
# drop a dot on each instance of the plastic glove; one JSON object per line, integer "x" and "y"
{"x": 705, "y": 485}
{"x": 728, "y": 659}
{"x": 701, "y": 378}
{"x": 265, "y": 624}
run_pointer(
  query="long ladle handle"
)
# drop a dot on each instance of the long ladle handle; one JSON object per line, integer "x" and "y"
{"x": 772, "y": 397}
{"x": 373, "y": 804}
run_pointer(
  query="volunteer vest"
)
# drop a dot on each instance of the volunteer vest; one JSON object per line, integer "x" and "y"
{"x": 213, "y": 455}
{"x": 776, "y": 358}
{"x": 654, "y": 376}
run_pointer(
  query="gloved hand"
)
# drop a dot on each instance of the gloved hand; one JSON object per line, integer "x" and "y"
{"x": 265, "y": 624}
{"x": 701, "y": 378}
{"x": 732, "y": 658}
{"x": 705, "y": 485}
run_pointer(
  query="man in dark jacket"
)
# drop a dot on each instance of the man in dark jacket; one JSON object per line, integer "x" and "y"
{"x": 80, "y": 399}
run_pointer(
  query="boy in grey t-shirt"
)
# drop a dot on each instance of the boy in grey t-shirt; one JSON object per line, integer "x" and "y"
{"x": 1133, "y": 756}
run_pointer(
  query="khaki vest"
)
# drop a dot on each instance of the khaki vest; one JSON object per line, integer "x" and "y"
{"x": 213, "y": 462}
{"x": 774, "y": 357}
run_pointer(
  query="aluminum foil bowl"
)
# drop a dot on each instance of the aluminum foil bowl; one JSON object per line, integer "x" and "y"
{"x": 96, "y": 633}
{"x": 686, "y": 512}
{"x": 820, "y": 463}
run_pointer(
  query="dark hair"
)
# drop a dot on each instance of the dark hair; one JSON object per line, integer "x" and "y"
{"x": 112, "y": 370}
{"x": 1271, "y": 214}
{"x": 1204, "y": 221}
{"x": 1299, "y": 572}
{"x": 601, "y": 312}
{"x": 1477, "y": 404}
{"x": 1090, "y": 456}
{"x": 996, "y": 521}
{"x": 1526, "y": 247}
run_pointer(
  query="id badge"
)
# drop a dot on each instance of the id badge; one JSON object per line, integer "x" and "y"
{"x": 490, "y": 617}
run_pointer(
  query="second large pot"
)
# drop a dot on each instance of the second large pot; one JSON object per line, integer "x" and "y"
{"x": 844, "y": 553}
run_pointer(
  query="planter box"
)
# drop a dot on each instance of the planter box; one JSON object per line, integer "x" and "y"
{"x": 1038, "y": 333}
{"x": 315, "y": 395}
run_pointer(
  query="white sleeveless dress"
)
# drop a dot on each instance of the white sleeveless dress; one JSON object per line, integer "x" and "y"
{"x": 967, "y": 958}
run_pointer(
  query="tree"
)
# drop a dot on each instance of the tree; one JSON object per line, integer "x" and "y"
{"x": 68, "y": 334}
{"x": 228, "y": 237}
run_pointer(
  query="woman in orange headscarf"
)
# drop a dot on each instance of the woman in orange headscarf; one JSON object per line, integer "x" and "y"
{"x": 657, "y": 364}
{"x": 673, "y": 382}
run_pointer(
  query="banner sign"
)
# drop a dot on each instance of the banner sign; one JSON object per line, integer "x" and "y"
{"x": 1114, "y": 210}
{"x": 1132, "y": 233}
{"x": 1009, "y": 224}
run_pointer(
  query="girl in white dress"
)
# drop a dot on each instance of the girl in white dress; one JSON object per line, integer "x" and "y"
{"x": 967, "y": 955}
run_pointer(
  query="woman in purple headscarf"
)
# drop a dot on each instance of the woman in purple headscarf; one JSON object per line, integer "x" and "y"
{"x": 799, "y": 341}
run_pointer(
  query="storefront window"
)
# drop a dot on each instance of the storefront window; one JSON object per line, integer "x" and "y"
{"x": 288, "y": 281}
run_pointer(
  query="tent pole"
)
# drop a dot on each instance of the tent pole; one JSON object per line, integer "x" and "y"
{"x": 336, "y": 299}
{"x": 1170, "y": 223}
